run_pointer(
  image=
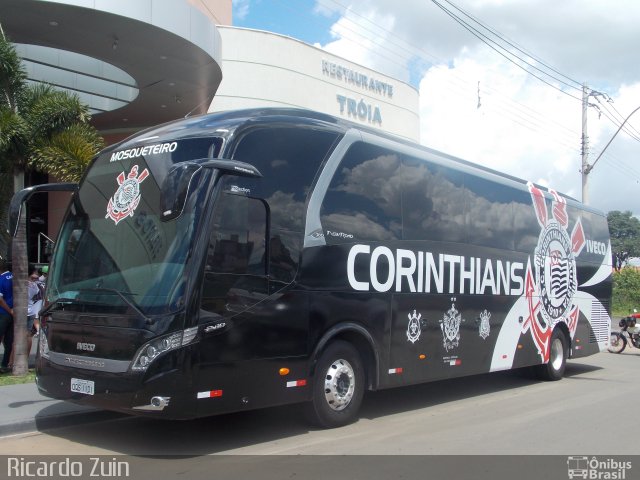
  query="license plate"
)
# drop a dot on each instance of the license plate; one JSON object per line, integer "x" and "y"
{"x": 82, "y": 386}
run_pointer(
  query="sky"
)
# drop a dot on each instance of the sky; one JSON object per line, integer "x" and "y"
{"x": 500, "y": 81}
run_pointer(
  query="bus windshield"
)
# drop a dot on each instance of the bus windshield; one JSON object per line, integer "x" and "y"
{"x": 115, "y": 250}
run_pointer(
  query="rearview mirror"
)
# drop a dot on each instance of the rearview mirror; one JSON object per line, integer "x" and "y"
{"x": 175, "y": 189}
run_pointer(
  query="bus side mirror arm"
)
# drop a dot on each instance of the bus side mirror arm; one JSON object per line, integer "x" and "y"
{"x": 18, "y": 199}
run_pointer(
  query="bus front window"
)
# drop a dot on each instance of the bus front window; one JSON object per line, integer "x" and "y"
{"x": 116, "y": 249}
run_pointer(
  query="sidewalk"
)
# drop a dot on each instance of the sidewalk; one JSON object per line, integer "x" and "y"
{"x": 24, "y": 409}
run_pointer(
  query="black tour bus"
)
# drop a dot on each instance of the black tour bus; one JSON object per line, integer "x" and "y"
{"x": 264, "y": 257}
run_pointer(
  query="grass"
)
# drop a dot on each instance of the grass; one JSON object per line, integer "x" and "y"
{"x": 9, "y": 379}
{"x": 616, "y": 315}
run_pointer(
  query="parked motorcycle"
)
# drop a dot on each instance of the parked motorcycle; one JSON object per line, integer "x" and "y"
{"x": 629, "y": 332}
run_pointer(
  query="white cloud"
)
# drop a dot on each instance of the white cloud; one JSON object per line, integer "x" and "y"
{"x": 502, "y": 133}
{"x": 241, "y": 9}
{"x": 523, "y": 126}
{"x": 366, "y": 37}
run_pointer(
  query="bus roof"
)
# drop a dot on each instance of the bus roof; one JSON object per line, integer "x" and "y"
{"x": 225, "y": 124}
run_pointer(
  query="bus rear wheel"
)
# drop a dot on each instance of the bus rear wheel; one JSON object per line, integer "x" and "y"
{"x": 558, "y": 353}
{"x": 338, "y": 386}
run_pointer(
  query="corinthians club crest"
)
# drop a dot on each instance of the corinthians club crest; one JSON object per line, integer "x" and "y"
{"x": 450, "y": 326}
{"x": 485, "y": 326}
{"x": 414, "y": 329}
{"x": 127, "y": 196}
{"x": 551, "y": 290}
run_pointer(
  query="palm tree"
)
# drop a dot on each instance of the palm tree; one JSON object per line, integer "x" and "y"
{"x": 44, "y": 128}
{"x": 66, "y": 155}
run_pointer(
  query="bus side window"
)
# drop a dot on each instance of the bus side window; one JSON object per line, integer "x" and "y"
{"x": 525, "y": 224}
{"x": 235, "y": 267}
{"x": 490, "y": 216}
{"x": 289, "y": 157}
{"x": 433, "y": 202}
{"x": 363, "y": 199}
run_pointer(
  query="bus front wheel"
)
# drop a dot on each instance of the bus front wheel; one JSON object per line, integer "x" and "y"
{"x": 338, "y": 386}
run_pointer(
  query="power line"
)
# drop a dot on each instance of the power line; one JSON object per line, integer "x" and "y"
{"x": 483, "y": 38}
{"x": 577, "y": 85}
{"x": 618, "y": 164}
{"x": 618, "y": 119}
{"x": 614, "y": 136}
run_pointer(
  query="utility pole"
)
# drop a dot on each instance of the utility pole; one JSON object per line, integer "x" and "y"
{"x": 585, "y": 146}
{"x": 586, "y": 168}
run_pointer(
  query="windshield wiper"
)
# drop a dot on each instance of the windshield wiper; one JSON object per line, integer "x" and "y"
{"x": 60, "y": 302}
{"x": 122, "y": 295}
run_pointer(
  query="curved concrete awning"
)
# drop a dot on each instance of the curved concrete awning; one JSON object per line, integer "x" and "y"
{"x": 170, "y": 50}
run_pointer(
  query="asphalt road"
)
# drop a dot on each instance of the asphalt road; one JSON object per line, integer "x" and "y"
{"x": 589, "y": 412}
{"x": 497, "y": 426}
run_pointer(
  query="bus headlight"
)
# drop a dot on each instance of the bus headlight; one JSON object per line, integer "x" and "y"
{"x": 153, "y": 349}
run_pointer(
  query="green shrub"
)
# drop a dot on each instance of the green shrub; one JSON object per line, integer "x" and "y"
{"x": 626, "y": 291}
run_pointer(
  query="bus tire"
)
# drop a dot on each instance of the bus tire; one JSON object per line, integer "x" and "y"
{"x": 558, "y": 352}
{"x": 338, "y": 386}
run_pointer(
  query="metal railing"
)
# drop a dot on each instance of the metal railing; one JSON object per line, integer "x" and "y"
{"x": 48, "y": 247}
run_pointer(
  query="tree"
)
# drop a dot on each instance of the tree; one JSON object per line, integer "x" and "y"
{"x": 624, "y": 230}
{"x": 626, "y": 290}
{"x": 37, "y": 123}
{"x": 67, "y": 153}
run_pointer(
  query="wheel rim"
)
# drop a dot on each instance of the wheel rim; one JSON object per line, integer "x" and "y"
{"x": 557, "y": 354}
{"x": 339, "y": 384}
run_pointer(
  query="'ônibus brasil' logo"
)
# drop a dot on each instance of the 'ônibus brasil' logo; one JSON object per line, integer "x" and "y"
{"x": 555, "y": 271}
{"x": 127, "y": 196}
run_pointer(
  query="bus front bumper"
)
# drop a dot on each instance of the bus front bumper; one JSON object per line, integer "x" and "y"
{"x": 164, "y": 394}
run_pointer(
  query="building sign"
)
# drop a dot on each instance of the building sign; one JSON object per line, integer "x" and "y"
{"x": 357, "y": 79}
{"x": 359, "y": 110}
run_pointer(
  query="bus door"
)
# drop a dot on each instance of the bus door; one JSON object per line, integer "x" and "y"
{"x": 245, "y": 319}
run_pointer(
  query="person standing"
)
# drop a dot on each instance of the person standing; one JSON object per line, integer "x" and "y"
{"x": 6, "y": 314}
{"x": 44, "y": 272}
{"x": 34, "y": 302}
